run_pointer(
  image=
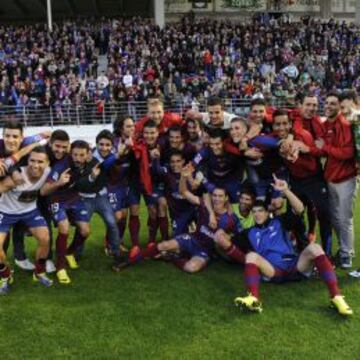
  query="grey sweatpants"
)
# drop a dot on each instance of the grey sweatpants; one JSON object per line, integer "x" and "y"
{"x": 342, "y": 200}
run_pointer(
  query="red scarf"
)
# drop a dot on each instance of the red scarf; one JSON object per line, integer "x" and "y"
{"x": 141, "y": 153}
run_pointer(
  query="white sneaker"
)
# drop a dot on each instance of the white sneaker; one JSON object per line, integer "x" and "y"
{"x": 50, "y": 267}
{"x": 355, "y": 273}
{"x": 26, "y": 264}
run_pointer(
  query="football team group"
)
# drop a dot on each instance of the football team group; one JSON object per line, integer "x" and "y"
{"x": 246, "y": 190}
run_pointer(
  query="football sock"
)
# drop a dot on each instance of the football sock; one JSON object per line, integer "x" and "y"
{"x": 252, "y": 279}
{"x": 40, "y": 266}
{"x": 4, "y": 271}
{"x": 77, "y": 242}
{"x": 153, "y": 225}
{"x": 121, "y": 226}
{"x": 164, "y": 228}
{"x": 327, "y": 273}
{"x": 134, "y": 228}
{"x": 236, "y": 254}
{"x": 180, "y": 262}
{"x": 61, "y": 245}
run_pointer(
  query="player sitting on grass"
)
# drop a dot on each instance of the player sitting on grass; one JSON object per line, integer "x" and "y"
{"x": 200, "y": 245}
{"x": 224, "y": 244}
{"x": 270, "y": 253}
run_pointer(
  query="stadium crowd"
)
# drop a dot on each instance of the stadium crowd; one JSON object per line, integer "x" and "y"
{"x": 184, "y": 63}
{"x": 190, "y": 170}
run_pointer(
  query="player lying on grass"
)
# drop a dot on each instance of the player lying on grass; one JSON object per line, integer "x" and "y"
{"x": 270, "y": 254}
{"x": 18, "y": 204}
{"x": 196, "y": 249}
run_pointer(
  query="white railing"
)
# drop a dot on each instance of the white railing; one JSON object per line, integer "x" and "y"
{"x": 91, "y": 113}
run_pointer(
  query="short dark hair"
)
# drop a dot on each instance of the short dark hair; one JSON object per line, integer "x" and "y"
{"x": 150, "y": 124}
{"x": 257, "y": 101}
{"x": 13, "y": 125}
{"x": 215, "y": 100}
{"x": 248, "y": 191}
{"x": 59, "y": 135}
{"x": 40, "y": 150}
{"x": 217, "y": 133}
{"x": 302, "y": 95}
{"x": 280, "y": 112}
{"x": 176, "y": 152}
{"x": 104, "y": 134}
{"x": 260, "y": 203}
{"x": 206, "y": 129}
{"x": 348, "y": 95}
{"x": 80, "y": 144}
{"x": 335, "y": 94}
{"x": 220, "y": 188}
{"x": 176, "y": 128}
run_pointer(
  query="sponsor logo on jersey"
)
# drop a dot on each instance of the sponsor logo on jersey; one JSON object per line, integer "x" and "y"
{"x": 205, "y": 230}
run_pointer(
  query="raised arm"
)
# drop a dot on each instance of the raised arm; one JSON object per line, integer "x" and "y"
{"x": 24, "y": 151}
{"x": 294, "y": 201}
{"x": 183, "y": 189}
{"x": 50, "y": 187}
{"x": 36, "y": 138}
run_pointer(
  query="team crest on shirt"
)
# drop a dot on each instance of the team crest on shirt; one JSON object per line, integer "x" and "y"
{"x": 197, "y": 158}
{"x": 8, "y": 162}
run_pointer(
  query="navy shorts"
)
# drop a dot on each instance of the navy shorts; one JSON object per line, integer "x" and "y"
{"x": 180, "y": 224}
{"x": 134, "y": 195}
{"x": 31, "y": 219}
{"x": 292, "y": 274}
{"x": 118, "y": 197}
{"x": 75, "y": 212}
{"x": 188, "y": 244}
{"x": 152, "y": 199}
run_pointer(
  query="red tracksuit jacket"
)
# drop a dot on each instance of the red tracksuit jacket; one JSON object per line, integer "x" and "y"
{"x": 339, "y": 149}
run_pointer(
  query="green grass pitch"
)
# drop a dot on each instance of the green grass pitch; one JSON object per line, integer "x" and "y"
{"x": 154, "y": 311}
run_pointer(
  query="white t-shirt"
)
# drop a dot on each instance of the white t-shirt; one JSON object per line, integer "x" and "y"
{"x": 227, "y": 119}
{"x": 102, "y": 82}
{"x": 128, "y": 80}
{"x": 22, "y": 198}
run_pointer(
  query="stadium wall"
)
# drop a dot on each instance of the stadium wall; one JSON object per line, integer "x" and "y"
{"x": 235, "y": 9}
{"x": 82, "y": 132}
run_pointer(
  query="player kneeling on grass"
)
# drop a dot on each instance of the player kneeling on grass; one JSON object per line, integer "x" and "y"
{"x": 200, "y": 245}
{"x": 18, "y": 204}
{"x": 272, "y": 255}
